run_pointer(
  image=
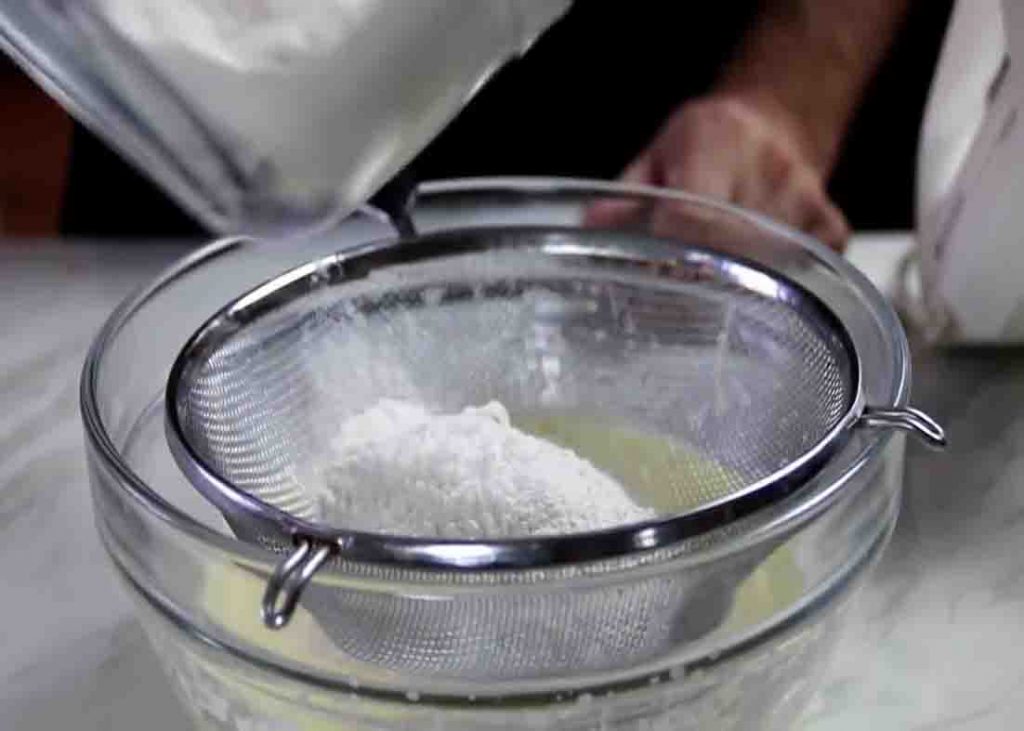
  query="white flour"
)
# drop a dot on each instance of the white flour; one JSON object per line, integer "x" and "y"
{"x": 397, "y": 468}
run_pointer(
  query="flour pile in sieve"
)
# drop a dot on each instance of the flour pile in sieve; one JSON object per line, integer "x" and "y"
{"x": 397, "y": 468}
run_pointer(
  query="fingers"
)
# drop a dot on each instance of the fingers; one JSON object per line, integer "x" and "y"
{"x": 704, "y": 153}
{"x": 768, "y": 182}
{"x": 729, "y": 151}
{"x": 619, "y": 211}
{"x": 777, "y": 184}
{"x": 799, "y": 200}
{"x": 703, "y": 175}
{"x": 828, "y": 224}
{"x": 641, "y": 171}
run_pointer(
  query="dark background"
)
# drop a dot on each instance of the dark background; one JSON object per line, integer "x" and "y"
{"x": 582, "y": 103}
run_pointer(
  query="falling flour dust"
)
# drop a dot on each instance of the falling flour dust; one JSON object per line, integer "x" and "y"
{"x": 398, "y": 468}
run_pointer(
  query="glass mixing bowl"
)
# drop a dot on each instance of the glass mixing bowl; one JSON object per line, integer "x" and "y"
{"x": 198, "y": 588}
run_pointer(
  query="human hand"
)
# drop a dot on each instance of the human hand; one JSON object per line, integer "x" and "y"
{"x": 741, "y": 150}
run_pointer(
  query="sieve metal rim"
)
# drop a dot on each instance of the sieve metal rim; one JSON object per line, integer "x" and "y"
{"x": 513, "y": 553}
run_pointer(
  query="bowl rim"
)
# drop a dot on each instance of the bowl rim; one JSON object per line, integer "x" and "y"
{"x": 855, "y": 457}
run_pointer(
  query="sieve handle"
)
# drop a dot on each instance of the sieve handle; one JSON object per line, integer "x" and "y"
{"x": 396, "y": 199}
{"x": 908, "y": 419}
{"x": 288, "y": 580}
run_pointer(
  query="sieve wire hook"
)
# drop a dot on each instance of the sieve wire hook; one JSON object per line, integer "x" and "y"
{"x": 908, "y": 419}
{"x": 288, "y": 580}
{"x": 396, "y": 199}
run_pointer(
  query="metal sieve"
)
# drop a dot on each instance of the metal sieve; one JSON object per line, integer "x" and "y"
{"x": 752, "y": 375}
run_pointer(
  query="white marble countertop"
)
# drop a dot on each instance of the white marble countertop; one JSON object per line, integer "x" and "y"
{"x": 933, "y": 641}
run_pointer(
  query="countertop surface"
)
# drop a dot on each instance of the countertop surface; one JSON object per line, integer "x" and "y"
{"x": 934, "y": 640}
